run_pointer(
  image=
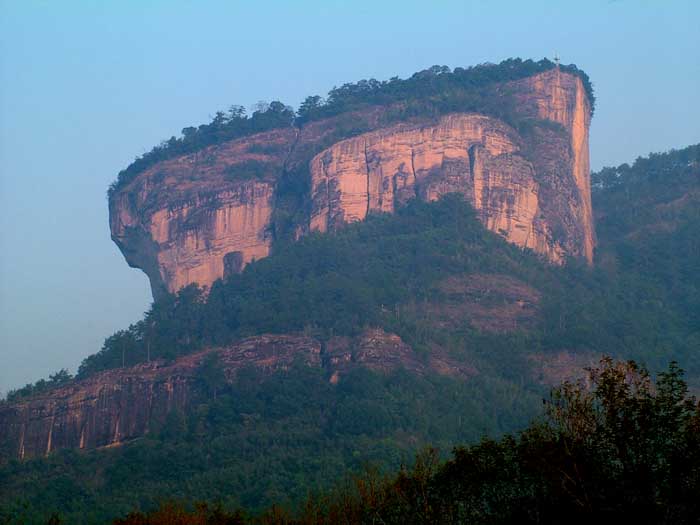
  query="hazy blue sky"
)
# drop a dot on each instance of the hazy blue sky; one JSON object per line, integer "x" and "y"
{"x": 87, "y": 86}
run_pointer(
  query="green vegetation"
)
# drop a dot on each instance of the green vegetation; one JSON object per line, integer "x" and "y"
{"x": 623, "y": 450}
{"x": 431, "y": 92}
{"x": 620, "y": 446}
{"x": 649, "y": 243}
{"x": 54, "y": 381}
{"x": 249, "y": 169}
{"x": 274, "y": 439}
{"x": 434, "y": 90}
{"x": 265, "y": 440}
{"x": 225, "y": 126}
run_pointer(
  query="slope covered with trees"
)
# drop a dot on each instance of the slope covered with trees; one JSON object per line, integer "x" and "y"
{"x": 640, "y": 301}
{"x": 648, "y": 224}
{"x": 622, "y": 448}
{"x": 649, "y": 229}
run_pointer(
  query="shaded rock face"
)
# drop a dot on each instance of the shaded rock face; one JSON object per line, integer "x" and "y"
{"x": 201, "y": 217}
{"x": 492, "y": 303}
{"x": 561, "y": 98}
{"x": 384, "y": 352}
{"x": 118, "y": 405}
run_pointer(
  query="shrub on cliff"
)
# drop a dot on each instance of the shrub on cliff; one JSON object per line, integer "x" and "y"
{"x": 42, "y": 385}
{"x": 430, "y": 92}
{"x": 224, "y": 126}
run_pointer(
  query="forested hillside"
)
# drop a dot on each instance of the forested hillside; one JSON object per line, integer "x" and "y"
{"x": 620, "y": 448}
{"x": 648, "y": 223}
{"x": 411, "y": 274}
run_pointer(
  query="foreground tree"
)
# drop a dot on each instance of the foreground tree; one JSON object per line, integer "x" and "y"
{"x": 617, "y": 446}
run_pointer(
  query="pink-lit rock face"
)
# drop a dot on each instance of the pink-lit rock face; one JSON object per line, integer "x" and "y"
{"x": 471, "y": 154}
{"x": 199, "y": 217}
{"x": 561, "y": 98}
{"x": 195, "y": 218}
{"x": 194, "y": 240}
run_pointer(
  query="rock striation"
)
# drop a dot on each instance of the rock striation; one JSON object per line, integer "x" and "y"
{"x": 203, "y": 216}
{"x": 561, "y": 98}
{"x": 196, "y": 218}
{"x": 118, "y": 405}
{"x": 475, "y": 155}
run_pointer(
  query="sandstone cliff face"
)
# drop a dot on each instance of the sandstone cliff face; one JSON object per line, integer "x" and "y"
{"x": 121, "y": 404}
{"x": 561, "y": 98}
{"x": 195, "y": 218}
{"x": 117, "y": 405}
{"x": 474, "y": 155}
{"x": 200, "y": 217}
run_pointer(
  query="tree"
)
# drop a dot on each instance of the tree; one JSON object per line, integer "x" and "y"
{"x": 309, "y": 107}
{"x": 620, "y": 444}
{"x": 211, "y": 374}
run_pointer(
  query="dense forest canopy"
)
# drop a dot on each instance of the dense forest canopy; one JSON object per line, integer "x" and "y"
{"x": 434, "y": 90}
{"x": 639, "y": 301}
{"x": 648, "y": 225}
{"x": 642, "y": 296}
{"x": 622, "y": 446}
{"x": 621, "y": 449}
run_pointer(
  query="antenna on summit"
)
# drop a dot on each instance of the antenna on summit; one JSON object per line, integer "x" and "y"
{"x": 556, "y": 59}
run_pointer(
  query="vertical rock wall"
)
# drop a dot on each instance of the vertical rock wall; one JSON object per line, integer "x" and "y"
{"x": 475, "y": 155}
{"x": 200, "y": 217}
{"x": 561, "y": 97}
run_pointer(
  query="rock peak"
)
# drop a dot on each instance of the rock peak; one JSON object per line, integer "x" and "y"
{"x": 199, "y": 217}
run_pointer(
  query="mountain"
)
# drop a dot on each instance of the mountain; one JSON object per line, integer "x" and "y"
{"x": 366, "y": 342}
{"x": 512, "y": 138}
{"x": 196, "y": 218}
{"x": 431, "y": 275}
{"x": 118, "y": 405}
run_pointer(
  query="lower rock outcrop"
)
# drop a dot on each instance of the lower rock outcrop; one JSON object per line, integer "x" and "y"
{"x": 118, "y": 405}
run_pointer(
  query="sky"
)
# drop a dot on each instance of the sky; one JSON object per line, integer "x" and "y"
{"x": 86, "y": 86}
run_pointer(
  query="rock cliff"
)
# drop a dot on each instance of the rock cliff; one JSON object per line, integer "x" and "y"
{"x": 561, "y": 98}
{"x": 474, "y": 155}
{"x": 195, "y": 218}
{"x": 199, "y": 217}
{"x": 118, "y": 405}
